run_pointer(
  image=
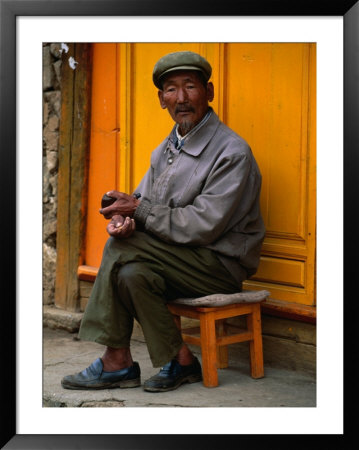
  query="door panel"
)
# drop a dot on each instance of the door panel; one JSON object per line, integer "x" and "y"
{"x": 268, "y": 104}
{"x": 103, "y": 146}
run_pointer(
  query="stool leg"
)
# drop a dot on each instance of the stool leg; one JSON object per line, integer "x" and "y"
{"x": 255, "y": 346}
{"x": 208, "y": 350}
{"x": 222, "y": 350}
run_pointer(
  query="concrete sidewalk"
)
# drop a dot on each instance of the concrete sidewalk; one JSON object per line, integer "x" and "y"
{"x": 64, "y": 354}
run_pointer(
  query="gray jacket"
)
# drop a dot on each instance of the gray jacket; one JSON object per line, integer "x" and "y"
{"x": 206, "y": 195}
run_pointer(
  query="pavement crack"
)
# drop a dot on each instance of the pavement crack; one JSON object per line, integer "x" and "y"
{"x": 166, "y": 405}
{"x": 54, "y": 364}
{"x": 107, "y": 403}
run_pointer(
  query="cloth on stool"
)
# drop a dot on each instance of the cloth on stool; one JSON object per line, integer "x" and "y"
{"x": 245, "y": 296}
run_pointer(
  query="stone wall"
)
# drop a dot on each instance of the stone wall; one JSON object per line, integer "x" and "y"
{"x": 51, "y": 121}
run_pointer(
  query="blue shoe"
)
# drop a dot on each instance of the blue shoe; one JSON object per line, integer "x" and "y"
{"x": 172, "y": 375}
{"x": 94, "y": 377}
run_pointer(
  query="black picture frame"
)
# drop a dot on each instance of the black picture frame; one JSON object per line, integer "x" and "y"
{"x": 9, "y": 10}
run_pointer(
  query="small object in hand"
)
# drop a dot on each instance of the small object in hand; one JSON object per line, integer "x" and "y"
{"x": 107, "y": 201}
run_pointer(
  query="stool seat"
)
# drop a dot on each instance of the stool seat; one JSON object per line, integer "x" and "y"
{"x": 212, "y": 312}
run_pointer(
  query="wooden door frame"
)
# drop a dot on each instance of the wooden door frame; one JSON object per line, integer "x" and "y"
{"x": 74, "y": 139}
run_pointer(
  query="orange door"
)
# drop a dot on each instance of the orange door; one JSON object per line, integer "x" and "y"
{"x": 266, "y": 93}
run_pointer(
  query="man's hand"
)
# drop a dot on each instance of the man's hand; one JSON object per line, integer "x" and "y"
{"x": 124, "y": 205}
{"x": 121, "y": 228}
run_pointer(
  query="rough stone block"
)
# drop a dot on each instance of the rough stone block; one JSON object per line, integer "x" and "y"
{"x": 48, "y": 74}
{"x": 49, "y": 228}
{"x": 51, "y": 161}
{"x": 56, "y": 318}
{"x": 54, "y": 100}
{"x": 55, "y": 50}
{"x": 51, "y": 140}
{"x": 57, "y": 69}
{"x": 46, "y": 113}
{"x": 53, "y": 184}
{"x": 49, "y": 270}
{"x": 53, "y": 123}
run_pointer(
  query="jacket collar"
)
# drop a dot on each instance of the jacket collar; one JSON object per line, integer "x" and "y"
{"x": 196, "y": 143}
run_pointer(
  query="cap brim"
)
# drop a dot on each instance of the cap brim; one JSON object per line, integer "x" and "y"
{"x": 173, "y": 69}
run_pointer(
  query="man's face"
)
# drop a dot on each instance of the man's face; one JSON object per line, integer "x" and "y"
{"x": 186, "y": 98}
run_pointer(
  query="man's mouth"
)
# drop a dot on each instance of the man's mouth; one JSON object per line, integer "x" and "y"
{"x": 184, "y": 110}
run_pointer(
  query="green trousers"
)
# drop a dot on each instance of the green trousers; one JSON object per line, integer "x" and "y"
{"x": 137, "y": 277}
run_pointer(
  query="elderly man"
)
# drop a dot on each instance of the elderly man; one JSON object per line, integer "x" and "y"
{"x": 196, "y": 230}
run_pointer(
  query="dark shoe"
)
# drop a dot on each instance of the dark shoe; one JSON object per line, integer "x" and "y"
{"x": 95, "y": 378}
{"x": 172, "y": 375}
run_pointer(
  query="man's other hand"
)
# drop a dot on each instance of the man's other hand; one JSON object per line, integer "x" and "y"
{"x": 121, "y": 228}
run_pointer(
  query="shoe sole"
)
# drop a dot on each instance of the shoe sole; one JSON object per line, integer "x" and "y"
{"x": 190, "y": 379}
{"x": 118, "y": 384}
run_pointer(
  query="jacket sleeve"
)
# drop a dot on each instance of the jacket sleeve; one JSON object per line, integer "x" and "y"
{"x": 209, "y": 216}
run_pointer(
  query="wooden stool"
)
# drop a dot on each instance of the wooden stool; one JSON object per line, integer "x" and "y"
{"x": 213, "y": 338}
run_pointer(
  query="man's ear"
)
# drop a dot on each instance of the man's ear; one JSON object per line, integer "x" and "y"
{"x": 210, "y": 91}
{"x": 162, "y": 103}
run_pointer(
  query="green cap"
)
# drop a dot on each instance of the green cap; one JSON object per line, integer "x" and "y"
{"x": 180, "y": 61}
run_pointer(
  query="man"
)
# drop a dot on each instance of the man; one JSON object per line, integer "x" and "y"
{"x": 196, "y": 230}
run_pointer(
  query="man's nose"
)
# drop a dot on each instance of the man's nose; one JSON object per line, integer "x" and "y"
{"x": 181, "y": 95}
